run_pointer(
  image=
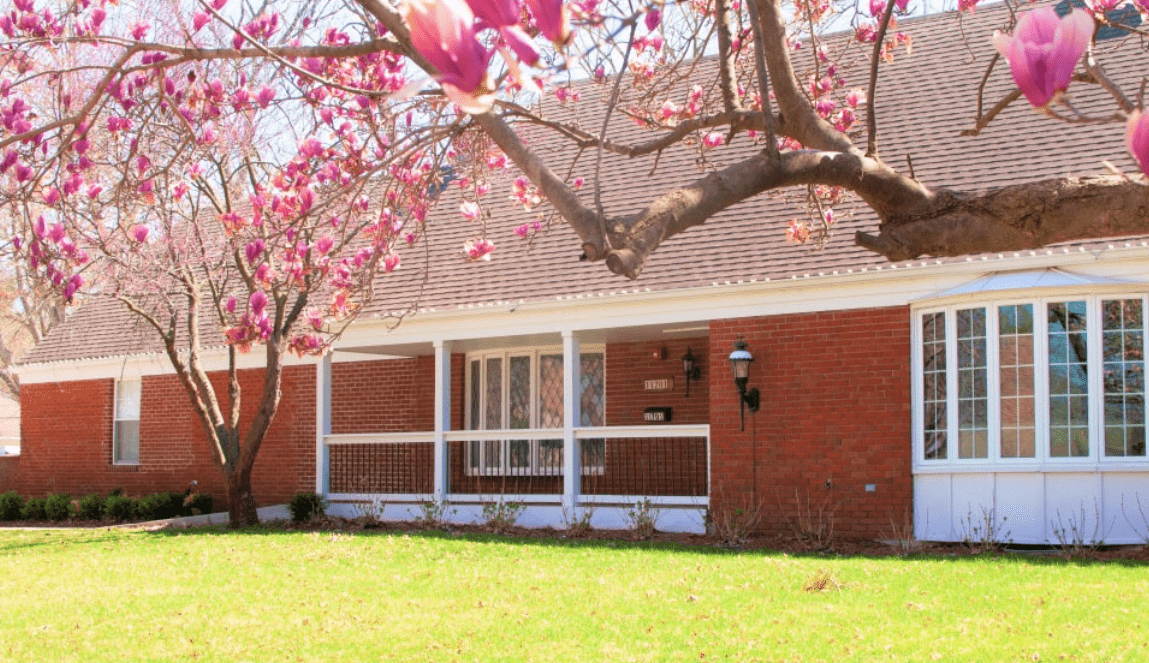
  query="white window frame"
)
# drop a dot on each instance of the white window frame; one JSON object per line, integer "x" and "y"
{"x": 503, "y": 468}
{"x": 117, "y": 419}
{"x": 1042, "y": 460}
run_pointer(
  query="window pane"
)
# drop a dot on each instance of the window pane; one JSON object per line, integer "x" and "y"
{"x": 592, "y": 403}
{"x": 494, "y": 390}
{"x": 550, "y": 457}
{"x": 972, "y": 404}
{"x": 593, "y": 455}
{"x": 933, "y": 386}
{"x": 476, "y": 396}
{"x": 551, "y": 391}
{"x": 492, "y": 454}
{"x": 520, "y": 392}
{"x": 1068, "y": 374}
{"x": 519, "y": 456}
{"x": 127, "y": 441}
{"x": 1015, "y": 351}
{"x": 1124, "y": 377}
{"x": 128, "y": 394}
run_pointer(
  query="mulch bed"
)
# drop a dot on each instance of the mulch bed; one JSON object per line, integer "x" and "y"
{"x": 839, "y": 547}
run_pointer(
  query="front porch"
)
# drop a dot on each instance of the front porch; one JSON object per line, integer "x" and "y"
{"x": 502, "y": 431}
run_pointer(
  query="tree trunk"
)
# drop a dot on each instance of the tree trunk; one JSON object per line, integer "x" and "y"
{"x": 240, "y": 502}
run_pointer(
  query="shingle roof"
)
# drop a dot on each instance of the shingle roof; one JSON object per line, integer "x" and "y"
{"x": 924, "y": 101}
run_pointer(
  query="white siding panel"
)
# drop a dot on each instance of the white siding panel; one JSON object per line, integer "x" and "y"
{"x": 1020, "y": 502}
{"x": 1073, "y": 506}
{"x": 972, "y": 513}
{"x": 1126, "y": 507}
{"x": 932, "y": 507}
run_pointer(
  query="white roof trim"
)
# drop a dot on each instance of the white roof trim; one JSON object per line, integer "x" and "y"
{"x": 1051, "y": 277}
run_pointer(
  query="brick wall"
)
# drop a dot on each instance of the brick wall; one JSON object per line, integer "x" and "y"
{"x": 66, "y": 439}
{"x": 629, "y": 365}
{"x": 391, "y": 395}
{"x": 835, "y": 407}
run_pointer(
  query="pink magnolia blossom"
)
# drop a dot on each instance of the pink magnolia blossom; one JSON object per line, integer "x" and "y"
{"x": 444, "y": 32}
{"x": 522, "y": 44}
{"x": 1044, "y": 50}
{"x": 9, "y": 160}
{"x": 1137, "y": 138}
{"x": 266, "y": 96}
{"x": 497, "y": 13}
{"x": 713, "y": 139}
{"x": 653, "y": 19}
{"x": 306, "y": 344}
{"x": 478, "y": 249}
{"x": 258, "y": 302}
{"x": 140, "y": 233}
{"x": 230, "y": 304}
{"x": 140, "y": 30}
{"x": 74, "y": 284}
{"x": 470, "y": 210}
{"x": 199, "y": 20}
{"x": 552, "y": 19}
{"x": 254, "y": 250}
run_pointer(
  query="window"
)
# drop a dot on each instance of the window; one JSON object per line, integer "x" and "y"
{"x": 126, "y": 433}
{"x": 1056, "y": 379}
{"x": 521, "y": 390}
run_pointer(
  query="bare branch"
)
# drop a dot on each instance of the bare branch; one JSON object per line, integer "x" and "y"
{"x": 875, "y": 58}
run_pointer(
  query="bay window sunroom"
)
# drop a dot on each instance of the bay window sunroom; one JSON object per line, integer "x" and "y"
{"x": 1057, "y": 380}
{"x": 1029, "y": 409}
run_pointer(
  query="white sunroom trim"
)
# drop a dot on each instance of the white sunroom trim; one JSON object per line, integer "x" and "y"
{"x": 1096, "y": 460}
{"x": 1029, "y": 280}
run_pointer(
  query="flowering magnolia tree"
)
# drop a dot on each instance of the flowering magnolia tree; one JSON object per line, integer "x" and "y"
{"x": 243, "y": 174}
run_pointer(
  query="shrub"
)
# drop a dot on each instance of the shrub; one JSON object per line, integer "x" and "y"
{"x": 11, "y": 505}
{"x": 160, "y": 506}
{"x": 501, "y": 516}
{"x": 58, "y": 507}
{"x": 119, "y": 508}
{"x": 198, "y": 504}
{"x": 34, "y": 509}
{"x": 306, "y": 507}
{"x": 90, "y": 507}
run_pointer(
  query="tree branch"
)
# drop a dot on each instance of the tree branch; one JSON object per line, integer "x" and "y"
{"x": 1023, "y": 216}
{"x": 726, "y": 77}
{"x": 802, "y": 122}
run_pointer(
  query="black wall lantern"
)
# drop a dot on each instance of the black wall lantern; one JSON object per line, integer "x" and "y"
{"x": 692, "y": 372}
{"x": 740, "y": 363}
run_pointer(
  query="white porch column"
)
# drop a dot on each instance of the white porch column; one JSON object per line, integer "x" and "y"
{"x": 322, "y": 422}
{"x": 572, "y": 416}
{"x": 442, "y": 416}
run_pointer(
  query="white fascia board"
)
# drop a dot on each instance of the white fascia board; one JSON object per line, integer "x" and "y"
{"x": 902, "y": 284}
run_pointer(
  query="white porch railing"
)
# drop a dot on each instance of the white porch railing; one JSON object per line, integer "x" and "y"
{"x": 668, "y": 465}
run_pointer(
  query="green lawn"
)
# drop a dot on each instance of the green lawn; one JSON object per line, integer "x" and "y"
{"x": 282, "y": 596}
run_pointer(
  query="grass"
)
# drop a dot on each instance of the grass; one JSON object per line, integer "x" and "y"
{"x": 270, "y": 595}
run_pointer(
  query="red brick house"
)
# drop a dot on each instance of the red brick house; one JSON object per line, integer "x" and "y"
{"x": 994, "y": 391}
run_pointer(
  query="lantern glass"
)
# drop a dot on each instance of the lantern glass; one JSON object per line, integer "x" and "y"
{"x": 740, "y": 360}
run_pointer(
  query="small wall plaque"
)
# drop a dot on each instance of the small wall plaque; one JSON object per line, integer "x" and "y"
{"x": 664, "y": 384}
{"x": 656, "y": 415}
